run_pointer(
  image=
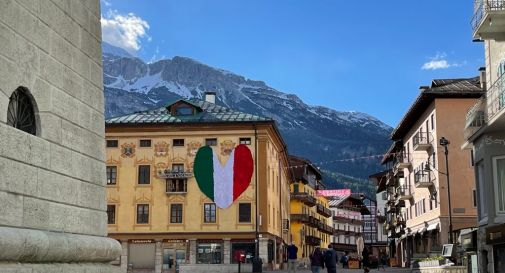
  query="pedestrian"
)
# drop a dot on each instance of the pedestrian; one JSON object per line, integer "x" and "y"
{"x": 344, "y": 260}
{"x": 330, "y": 259}
{"x": 382, "y": 261}
{"x": 292, "y": 257}
{"x": 316, "y": 260}
{"x": 366, "y": 259}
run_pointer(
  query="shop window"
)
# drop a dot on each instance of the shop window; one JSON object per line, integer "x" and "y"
{"x": 144, "y": 174}
{"x": 247, "y": 249}
{"x": 111, "y": 175}
{"x": 209, "y": 253}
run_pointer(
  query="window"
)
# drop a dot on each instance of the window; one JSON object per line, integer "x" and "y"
{"x": 145, "y": 143}
{"x": 474, "y": 197}
{"x": 144, "y": 174}
{"x": 143, "y": 214}
{"x": 244, "y": 212}
{"x": 432, "y": 121}
{"x": 499, "y": 182}
{"x": 179, "y": 185}
{"x": 112, "y": 143}
{"x": 178, "y": 167}
{"x": 245, "y": 140}
{"x": 209, "y": 213}
{"x": 21, "y": 112}
{"x": 111, "y": 175}
{"x": 295, "y": 188}
{"x": 183, "y": 110}
{"x": 178, "y": 142}
{"x": 176, "y": 213}
{"x": 211, "y": 141}
{"x": 481, "y": 188}
{"x": 427, "y": 125}
{"x": 209, "y": 253}
{"x": 111, "y": 214}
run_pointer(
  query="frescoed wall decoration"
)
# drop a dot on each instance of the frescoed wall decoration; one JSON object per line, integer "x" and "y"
{"x": 223, "y": 184}
{"x": 226, "y": 147}
{"x": 193, "y": 147}
{"x": 127, "y": 150}
{"x": 161, "y": 149}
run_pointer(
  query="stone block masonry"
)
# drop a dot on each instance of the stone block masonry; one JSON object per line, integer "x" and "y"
{"x": 52, "y": 182}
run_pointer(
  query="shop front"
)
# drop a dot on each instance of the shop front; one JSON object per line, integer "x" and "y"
{"x": 174, "y": 254}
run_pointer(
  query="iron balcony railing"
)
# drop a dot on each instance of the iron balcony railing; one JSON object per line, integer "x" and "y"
{"x": 482, "y": 7}
{"x": 404, "y": 190}
{"x": 421, "y": 138}
{"x": 486, "y": 108}
{"x": 402, "y": 158}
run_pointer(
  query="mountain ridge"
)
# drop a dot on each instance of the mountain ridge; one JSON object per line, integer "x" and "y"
{"x": 315, "y": 132}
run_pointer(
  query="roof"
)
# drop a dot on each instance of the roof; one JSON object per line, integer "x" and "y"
{"x": 295, "y": 161}
{"x": 440, "y": 88}
{"x": 380, "y": 180}
{"x": 206, "y": 113}
{"x": 391, "y": 152}
{"x": 354, "y": 198}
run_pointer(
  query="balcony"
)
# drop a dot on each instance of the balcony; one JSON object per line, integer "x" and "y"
{"x": 403, "y": 161}
{"x": 313, "y": 222}
{"x": 326, "y": 212}
{"x": 400, "y": 203}
{"x": 325, "y": 228}
{"x": 312, "y": 240}
{"x": 404, "y": 192}
{"x": 488, "y": 22}
{"x": 423, "y": 179}
{"x": 475, "y": 118}
{"x": 305, "y": 198}
{"x": 303, "y": 218}
{"x": 422, "y": 141}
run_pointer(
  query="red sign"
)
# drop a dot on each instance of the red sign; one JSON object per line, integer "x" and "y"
{"x": 331, "y": 193}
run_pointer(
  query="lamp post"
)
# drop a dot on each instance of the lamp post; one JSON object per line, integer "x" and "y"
{"x": 444, "y": 142}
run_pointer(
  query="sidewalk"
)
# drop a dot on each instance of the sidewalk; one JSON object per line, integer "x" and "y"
{"x": 340, "y": 270}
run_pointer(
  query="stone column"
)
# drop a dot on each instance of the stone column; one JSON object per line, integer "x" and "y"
{"x": 263, "y": 245}
{"x": 158, "y": 257}
{"x": 124, "y": 256}
{"x": 192, "y": 251}
{"x": 226, "y": 251}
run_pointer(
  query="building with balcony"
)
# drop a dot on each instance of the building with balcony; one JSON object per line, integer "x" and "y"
{"x": 348, "y": 211}
{"x": 417, "y": 206}
{"x": 159, "y": 212}
{"x": 485, "y": 136}
{"x": 310, "y": 214}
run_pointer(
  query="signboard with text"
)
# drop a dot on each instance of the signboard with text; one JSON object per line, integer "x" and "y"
{"x": 334, "y": 193}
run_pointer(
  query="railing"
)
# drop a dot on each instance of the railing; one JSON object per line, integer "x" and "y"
{"x": 304, "y": 197}
{"x": 312, "y": 240}
{"x": 482, "y": 7}
{"x": 404, "y": 190}
{"x": 486, "y": 108}
{"x": 421, "y": 138}
{"x": 402, "y": 158}
{"x": 300, "y": 217}
{"x": 323, "y": 210}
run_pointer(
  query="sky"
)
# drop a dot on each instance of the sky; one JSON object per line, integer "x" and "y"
{"x": 368, "y": 56}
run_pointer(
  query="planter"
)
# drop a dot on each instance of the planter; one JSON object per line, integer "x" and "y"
{"x": 353, "y": 264}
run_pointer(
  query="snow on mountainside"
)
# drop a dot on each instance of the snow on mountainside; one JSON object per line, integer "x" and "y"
{"x": 315, "y": 132}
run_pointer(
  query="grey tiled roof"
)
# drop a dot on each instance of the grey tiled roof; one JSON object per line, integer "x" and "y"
{"x": 208, "y": 112}
{"x": 456, "y": 85}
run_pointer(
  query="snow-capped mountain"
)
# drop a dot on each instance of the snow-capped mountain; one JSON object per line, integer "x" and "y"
{"x": 315, "y": 132}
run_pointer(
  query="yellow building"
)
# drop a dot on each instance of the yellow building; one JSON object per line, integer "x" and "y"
{"x": 156, "y": 208}
{"x": 311, "y": 223}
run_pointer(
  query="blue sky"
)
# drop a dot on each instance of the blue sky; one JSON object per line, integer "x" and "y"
{"x": 368, "y": 56}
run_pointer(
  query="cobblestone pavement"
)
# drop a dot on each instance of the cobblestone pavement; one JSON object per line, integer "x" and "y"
{"x": 340, "y": 270}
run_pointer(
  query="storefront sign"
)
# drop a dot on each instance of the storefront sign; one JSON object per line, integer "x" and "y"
{"x": 334, "y": 193}
{"x": 141, "y": 241}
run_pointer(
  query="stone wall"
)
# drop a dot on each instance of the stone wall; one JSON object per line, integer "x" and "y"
{"x": 52, "y": 183}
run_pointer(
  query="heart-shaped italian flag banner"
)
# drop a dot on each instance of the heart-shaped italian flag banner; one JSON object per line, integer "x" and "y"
{"x": 223, "y": 184}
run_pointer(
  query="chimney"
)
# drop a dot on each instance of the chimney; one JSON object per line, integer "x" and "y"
{"x": 482, "y": 78}
{"x": 210, "y": 97}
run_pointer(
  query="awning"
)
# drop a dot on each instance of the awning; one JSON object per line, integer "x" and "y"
{"x": 432, "y": 227}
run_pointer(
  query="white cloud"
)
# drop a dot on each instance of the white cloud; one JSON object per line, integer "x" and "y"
{"x": 124, "y": 31}
{"x": 439, "y": 61}
{"x": 106, "y": 3}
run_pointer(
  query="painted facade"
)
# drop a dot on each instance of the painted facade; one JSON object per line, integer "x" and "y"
{"x": 157, "y": 210}
{"x": 485, "y": 135}
{"x": 310, "y": 216}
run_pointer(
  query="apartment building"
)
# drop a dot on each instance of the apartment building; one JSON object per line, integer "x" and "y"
{"x": 421, "y": 215}
{"x": 382, "y": 243}
{"x": 310, "y": 216}
{"x": 348, "y": 211}
{"x": 165, "y": 219}
{"x": 485, "y": 136}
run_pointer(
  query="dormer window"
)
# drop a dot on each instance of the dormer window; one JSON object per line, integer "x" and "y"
{"x": 183, "y": 110}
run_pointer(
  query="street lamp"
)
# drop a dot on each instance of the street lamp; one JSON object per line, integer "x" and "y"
{"x": 444, "y": 142}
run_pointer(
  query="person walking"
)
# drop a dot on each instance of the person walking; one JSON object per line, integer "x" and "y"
{"x": 366, "y": 259}
{"x": 383, "y": 260}
{"x": 292, "y": 257}
{"x": 330, "y": 259}
{"x": 344, "y": 260}
{"x": 316, "y": 260}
